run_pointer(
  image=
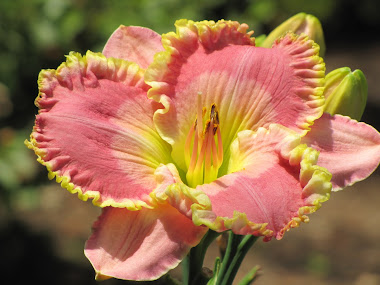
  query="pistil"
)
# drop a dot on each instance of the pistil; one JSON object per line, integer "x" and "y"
{"x": 203, "y": 147}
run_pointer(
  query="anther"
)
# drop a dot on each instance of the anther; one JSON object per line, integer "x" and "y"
{"x": 203, "y": 147}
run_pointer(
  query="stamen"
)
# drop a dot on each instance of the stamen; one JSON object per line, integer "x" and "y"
{"x": 203, "y": 156}
{"x": 188, "y": 143}
{"x": 215, "y": 156}
{"x": 199, "y": 117}
{"x": 210, "y": 138}
{"x": 194, "y": 154}
{"x": 220, "y": 146}
{"x": 198, "y": 178}
{"x": 214, "y": 114}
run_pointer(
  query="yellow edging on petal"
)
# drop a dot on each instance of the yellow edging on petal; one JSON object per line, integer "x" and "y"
{"x": 315, "y": 181}
{"x": 239, "y": 223}
{"x": 182, "y": 197}
{"x": 309, "y": 66}
{"x": 190, "y": 35}
{"x": 94, "y": 65}
{"x": 195, "y": 204}
{"x": 129, "y": 204}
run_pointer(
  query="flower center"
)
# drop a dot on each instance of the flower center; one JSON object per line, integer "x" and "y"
{"x": 203, "y": 147}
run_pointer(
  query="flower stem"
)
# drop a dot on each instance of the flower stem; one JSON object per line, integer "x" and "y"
{"x": 233, "y": 242}
{"x": 193, "y": 263}
{"x": 242, "y": 249}
{"x": 237, "y": 248}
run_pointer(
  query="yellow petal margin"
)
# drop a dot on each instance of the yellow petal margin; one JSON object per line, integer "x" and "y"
{"x": 188, "y": 36}
{"x": 94, "y": 65}
{"x": 314, "y": 182}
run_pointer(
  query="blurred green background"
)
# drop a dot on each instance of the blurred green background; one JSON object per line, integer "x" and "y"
{"x": 43, "y": 229}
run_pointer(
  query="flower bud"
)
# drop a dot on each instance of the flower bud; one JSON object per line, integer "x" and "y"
{"x": 346, "y": 92}
{"x": 298, "y": 24}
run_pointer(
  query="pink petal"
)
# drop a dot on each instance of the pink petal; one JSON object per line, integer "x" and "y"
{"x": 273, "y": 185}
{"x": 94, "y": 131}
{"x": 251, "y": 86}
{"x": 140, "y": 245}
{"x": 136, "y": 44}
{"x": 348, "y": 149}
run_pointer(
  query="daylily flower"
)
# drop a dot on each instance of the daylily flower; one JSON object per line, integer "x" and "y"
{"x": 204, "y": 130}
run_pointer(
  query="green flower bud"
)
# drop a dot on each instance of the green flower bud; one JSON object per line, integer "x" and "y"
{"x": 346, "y": 92}
{"x": 298, "y": 24}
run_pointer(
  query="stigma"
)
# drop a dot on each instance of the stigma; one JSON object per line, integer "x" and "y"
{"x": 203, "y": 146}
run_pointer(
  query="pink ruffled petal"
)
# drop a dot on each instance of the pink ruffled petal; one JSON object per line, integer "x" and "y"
{"x": 140, "y": 245}
{"x": 274, "y": 183}
{"x": 348, "y": 149}
{"x": 136, "y": 44}
{"x": 95, "y": 133}
{"x": 251, "y": 86}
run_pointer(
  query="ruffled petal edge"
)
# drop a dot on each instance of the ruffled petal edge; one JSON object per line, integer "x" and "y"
{"x": 209, "y": 34}
{"x": 349, "y": 149}
{"x": 309, "y": 66}
{"x": 314, "y": 179}
{"x": 93, "y": 65}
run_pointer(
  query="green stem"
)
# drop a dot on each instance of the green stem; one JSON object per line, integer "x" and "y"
{"x": 193, "y": 263}
{"x": 242, "y": 249}
{"x": 232, "y": 246}
{"x": 186, "y": 270}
